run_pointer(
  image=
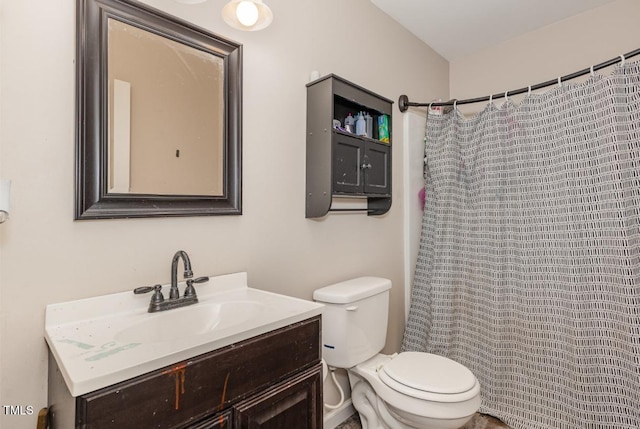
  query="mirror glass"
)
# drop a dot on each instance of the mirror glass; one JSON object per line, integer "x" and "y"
{"x": 166, "y": 107}
{"x": 158, "y": 115}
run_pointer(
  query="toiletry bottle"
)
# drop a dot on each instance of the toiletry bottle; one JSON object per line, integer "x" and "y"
{"x": 349, "y": 123}
{"x": 361, "y": 125}
{"x": 369, "y": 119}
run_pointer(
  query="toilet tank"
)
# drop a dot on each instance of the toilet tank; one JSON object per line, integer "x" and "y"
{"x": 354, "y": 320}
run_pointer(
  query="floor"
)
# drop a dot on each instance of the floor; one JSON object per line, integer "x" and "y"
{"x": 479, "y": 421}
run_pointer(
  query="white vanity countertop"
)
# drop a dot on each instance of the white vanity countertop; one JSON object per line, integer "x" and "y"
{"x": 88, "y": 341}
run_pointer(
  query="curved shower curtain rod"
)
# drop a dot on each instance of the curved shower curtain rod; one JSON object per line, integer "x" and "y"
{"x": 404, "y": 103}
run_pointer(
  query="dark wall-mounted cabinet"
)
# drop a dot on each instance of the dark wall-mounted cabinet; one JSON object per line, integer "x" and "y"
{"x": 342, "y": 161}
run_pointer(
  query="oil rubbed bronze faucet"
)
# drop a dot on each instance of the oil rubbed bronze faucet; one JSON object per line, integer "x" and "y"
{"x": 158, "y": 303}
{"x": 173, "y": 292}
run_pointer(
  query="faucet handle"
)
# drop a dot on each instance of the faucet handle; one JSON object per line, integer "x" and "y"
{"x": 190, "y": 290}
{"x": 157, "y": 295}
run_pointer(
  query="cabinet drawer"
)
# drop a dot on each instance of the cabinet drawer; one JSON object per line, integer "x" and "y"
{"x": 191, "y": 390}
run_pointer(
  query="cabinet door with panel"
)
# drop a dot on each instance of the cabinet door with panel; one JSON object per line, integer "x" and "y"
{"x": 220, "y": 421}
{"x": 376, "y": 169}
{"x": 361, "y": 167}
{"x": 348, "y": 160}
{"x": 295, "y": 403}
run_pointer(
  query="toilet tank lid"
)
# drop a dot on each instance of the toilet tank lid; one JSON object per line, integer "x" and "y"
{"x": 352, "y": 290}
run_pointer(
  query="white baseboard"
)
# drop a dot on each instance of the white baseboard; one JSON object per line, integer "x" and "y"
{"x": 333, "y": 418}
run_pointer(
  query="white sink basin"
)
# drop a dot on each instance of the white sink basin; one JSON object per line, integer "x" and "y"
{"x": 193, "y": 320}
{"x": 100, "y": 341}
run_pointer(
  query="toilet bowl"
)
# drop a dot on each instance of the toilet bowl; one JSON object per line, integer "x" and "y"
{"x": 413, "y": 390}
{"x": 401, "y": 391}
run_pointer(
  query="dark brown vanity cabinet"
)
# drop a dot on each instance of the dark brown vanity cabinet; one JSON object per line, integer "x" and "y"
{"x": 342, "y": 161}
{"x": 270, "y": 381}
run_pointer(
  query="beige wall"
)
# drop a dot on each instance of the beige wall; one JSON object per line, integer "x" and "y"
{"x": 556, "y": 50}
{"x": 46, "y": 257}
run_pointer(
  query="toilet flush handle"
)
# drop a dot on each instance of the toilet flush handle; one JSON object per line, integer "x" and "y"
{"x": 352, "y": 308}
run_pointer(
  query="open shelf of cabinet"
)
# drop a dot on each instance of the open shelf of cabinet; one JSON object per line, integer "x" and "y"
{"x": 341, "y": 163}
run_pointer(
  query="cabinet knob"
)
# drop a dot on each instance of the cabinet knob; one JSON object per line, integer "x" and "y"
{"x": 366, "y": 165}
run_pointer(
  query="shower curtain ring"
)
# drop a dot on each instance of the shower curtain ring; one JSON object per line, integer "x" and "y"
{"x": 622, "y": 59}
{"x": 592, "y": 72}
{"x": 506, "y": 96}
{"x": 529, "y": 91}
{"x": 559, "y": 81}
{"x": 491, "y": 99}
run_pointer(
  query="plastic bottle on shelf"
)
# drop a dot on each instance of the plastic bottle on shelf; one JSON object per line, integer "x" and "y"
{"x": 361, "y": 125}
{"x": 350, "y": 123}
{"x": 369, "y": 119}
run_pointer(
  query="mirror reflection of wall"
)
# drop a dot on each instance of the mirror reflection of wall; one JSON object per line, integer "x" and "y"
{"x": 166, "y": 115}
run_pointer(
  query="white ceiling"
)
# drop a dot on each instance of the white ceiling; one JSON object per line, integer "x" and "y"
{"x": 456, "y": 28}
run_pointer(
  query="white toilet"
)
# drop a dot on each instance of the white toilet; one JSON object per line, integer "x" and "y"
{"x": 406, "y": 390}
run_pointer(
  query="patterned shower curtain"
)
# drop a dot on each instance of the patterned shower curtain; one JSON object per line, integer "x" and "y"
{"x": 529, "y": 264}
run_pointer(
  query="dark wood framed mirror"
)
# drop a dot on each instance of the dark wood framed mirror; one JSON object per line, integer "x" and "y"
{"x": 159, "y": 115}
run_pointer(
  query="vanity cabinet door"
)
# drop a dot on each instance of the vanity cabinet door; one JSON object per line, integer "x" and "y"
{"x": 294, "y": 403}
{"x": 219, "y": 421}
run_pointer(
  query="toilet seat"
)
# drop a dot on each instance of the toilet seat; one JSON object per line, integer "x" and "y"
{"x": 430, "y": 377}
